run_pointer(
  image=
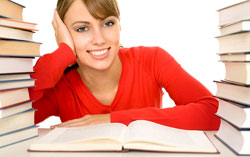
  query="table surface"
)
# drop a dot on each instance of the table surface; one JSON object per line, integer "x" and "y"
{"x": 20, "y": 150}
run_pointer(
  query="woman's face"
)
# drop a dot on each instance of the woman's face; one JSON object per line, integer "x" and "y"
{"x": 96, "y": 41}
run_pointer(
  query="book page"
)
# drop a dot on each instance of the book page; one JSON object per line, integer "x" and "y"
{"x": 146, "y": 131}
{"x": 112, "y": 131}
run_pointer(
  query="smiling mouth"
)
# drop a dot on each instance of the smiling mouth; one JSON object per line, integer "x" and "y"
{"x": 98, "y": 52}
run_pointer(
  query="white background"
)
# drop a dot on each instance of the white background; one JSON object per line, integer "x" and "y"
{"x": 186, "y": 29}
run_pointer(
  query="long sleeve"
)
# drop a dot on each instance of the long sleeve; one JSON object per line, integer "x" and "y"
{"x": 195, "y": 105}
{"x": 48, "y": 71}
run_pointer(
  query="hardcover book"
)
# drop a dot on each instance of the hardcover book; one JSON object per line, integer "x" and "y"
{"x": 18, "y": 136}
{"x": 19, "y": 48}
{"x": 16, "y": 65}
{"x": 12, "y": 77}
{"x": 234, "y": 57}
{"x": 15, "y": 96}
{"x": 13, "y": 33}
{"x": 16, "y": 108}
{"x": 234, "y": 43}
{"x": 238, "y": 72}
{"x": 236, "y": 113}
{"x": 17, "y": 24}
{"x": 16, "y": 84}
{"x": 11, "y": 9}
{"x": 234, "y": 138}
{"x": 17, "y": 121}
{"x": 234, "y": 13}
{"x": 235, "y": 28}
{"x": 233, "y": 91}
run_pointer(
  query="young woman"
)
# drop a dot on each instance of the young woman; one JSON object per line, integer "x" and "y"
{"x": 90, "y": 80}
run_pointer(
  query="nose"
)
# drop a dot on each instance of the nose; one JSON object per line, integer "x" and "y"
{"x": 98, "y": 37}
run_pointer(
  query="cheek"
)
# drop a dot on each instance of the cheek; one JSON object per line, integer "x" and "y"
{"x": 80, "y": 41}
{"x": 112, "y": 35}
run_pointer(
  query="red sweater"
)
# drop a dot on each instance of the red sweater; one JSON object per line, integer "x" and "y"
{"x": 145, "y": 71}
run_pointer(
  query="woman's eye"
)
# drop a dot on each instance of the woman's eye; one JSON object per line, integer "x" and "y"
{"x": 109, "y": 23}
{"x": 82, "y": 29}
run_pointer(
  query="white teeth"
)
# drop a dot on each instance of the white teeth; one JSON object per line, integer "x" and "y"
{"x": 98, "y": 53}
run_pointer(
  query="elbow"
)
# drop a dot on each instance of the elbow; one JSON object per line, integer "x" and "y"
{"x": 211, "y": 105}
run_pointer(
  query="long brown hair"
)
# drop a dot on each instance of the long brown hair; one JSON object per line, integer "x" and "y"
{"x": 99, "y": 9}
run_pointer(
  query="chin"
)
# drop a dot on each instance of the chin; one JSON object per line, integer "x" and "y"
{"x": 102, "y": 67}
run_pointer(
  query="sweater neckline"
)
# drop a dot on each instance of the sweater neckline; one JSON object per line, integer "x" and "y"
{"x": 93, "y": 98}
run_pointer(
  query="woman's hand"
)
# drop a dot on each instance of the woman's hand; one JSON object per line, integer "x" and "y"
{"x": 62, "y": 33}
{"x": 85, "y": 121}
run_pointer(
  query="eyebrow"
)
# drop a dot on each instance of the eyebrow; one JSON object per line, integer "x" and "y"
{"x": 85, "y": 22}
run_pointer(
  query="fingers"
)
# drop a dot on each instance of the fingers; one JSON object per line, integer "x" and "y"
{"x": 85, "y": 121}
{"x": 53, "y": 127}
{"x": 62, "y": 33}
{"x": 77, "y": 124}
{"x": 56, "y": 20}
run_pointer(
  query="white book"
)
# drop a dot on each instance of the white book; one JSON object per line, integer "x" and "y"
{"x": 18, "y": 136}
{"x": 235, "y": 57}
{"x": 234, "y": 138}
{"x": 17, "y": 108}
{"x": 235, "y": 113}
{"x": 13, "y": 33}
{"x": 234, "y": 43}
{"x": 6, "y": 97}
{"x": 234, "y": 13}
{"x": 236, "y": 27}
{"x": 17, "y": 121}
{"x": 238, "y": 72}
{"x": 18, "y": 24}
{"x": 8, "y": 77}
{"x": 233, "y": 91}
{"x": 15, "y": 65}
{"x": 138, "y": 135}
{"x": 15, "y": 84}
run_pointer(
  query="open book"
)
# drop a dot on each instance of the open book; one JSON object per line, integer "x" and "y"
{"x": 139, "y": 135}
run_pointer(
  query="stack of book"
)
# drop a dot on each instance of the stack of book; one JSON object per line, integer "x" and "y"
{"x": 234, "y": 91}
{"x": 17, "y": 51}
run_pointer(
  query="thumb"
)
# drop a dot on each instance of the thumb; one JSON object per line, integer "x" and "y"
{"x": 53, "y": 127}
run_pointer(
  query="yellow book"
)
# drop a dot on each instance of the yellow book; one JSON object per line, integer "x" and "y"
{"x": 11, "y": 9}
